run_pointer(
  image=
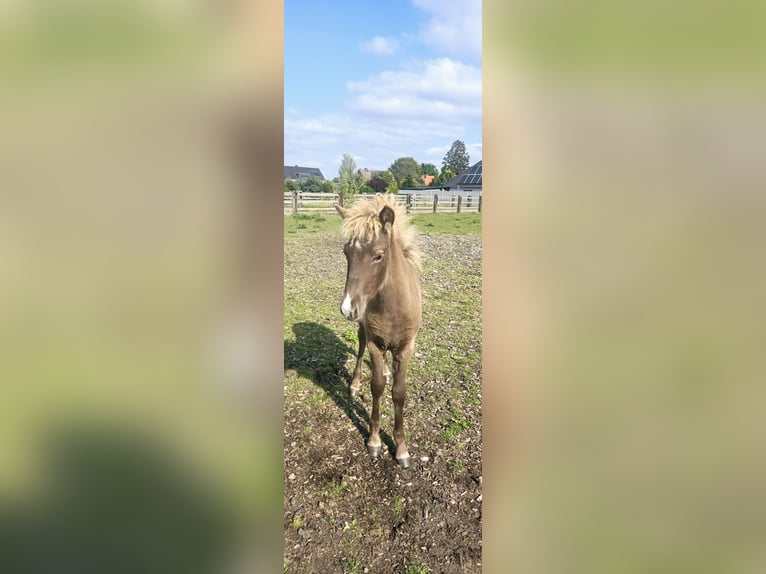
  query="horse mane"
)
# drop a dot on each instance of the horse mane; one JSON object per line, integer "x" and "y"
{"x": 363, "y": 224}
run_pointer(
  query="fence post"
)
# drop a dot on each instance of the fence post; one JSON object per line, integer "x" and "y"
{"x": 436, "y": 201}
{"x": 295, "y": 201}
{"x": 409, "y": 202}
{"x": 479, "y": 204}
{"x": 459, "y": 202}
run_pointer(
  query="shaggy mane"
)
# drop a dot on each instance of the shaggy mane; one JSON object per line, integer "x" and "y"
{"x": 363, "y": 224}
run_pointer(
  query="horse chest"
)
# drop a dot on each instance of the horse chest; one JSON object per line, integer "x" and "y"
{"x": 387, "y": 332}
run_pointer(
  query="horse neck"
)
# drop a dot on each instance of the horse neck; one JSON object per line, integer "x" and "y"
{"x": 401, "y": 273}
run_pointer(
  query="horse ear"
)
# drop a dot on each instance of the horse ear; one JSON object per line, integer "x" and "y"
{"x": 342, "y": 210}
{"x": 386, "y": 216}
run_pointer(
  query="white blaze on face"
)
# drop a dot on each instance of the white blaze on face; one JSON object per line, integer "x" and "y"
{"x": 345, "y": 307}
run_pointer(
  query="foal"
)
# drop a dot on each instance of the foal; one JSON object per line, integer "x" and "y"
{"x": 383, "y": 295}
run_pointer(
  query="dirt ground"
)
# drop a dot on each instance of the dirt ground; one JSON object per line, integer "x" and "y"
{"x": 343, "y": 511}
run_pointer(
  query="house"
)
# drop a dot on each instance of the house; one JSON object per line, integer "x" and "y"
{"x": 302, "y": 173}
{"x": 469, "y": 180}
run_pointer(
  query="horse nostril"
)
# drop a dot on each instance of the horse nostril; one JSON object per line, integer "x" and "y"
{"x": 347, "y": 309}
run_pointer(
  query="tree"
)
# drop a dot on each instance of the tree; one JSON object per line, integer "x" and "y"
{"x": 347, "y": 169}
{"x": 403, "y": 167}
{"x": 457, "y": 159}
{"x": 388, "y": 177}
{"x": 408, "y": 182}
{"x": 328, "y": 187}
{"x": 444, "y": 176}
{"x": 429, "y": 169}
{"x": 366, "y": 189}
{"x": 292, "y": 185}
{"x": 378, "y": 184}
{"x": 350, "y": 180}
{"x": 311, "y": 185}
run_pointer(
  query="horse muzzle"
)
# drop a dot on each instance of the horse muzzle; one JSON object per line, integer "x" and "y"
{"x": 349, "y": 309}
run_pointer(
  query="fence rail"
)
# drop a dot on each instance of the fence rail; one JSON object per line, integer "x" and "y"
{"x": 300, "y": 202}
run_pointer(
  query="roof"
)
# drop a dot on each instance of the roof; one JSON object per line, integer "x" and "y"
{"x": 298, "y": 172}
{"x": 469, "y": 178}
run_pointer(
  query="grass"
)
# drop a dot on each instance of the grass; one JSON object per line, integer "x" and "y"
{"x": 320, "y": 346}
{"x": 455, "y": 426}
{"x": 417, "y": 569}
{"x": 352, "y": 566}
{"x": 425, "y": 223}
{"x": 319, "y": 341}
{"x": 338, "y": 489}
{"x": 452, "y": 223}
{"x": 312, "y": 222}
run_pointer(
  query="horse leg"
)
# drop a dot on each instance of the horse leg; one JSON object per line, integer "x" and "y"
{"x": 377, "y": 384}
{"x": 399, "y": 394}
{"x": 356, "y": 380}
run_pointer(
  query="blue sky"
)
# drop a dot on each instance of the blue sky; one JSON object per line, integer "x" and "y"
{"x": 381, "y": 80}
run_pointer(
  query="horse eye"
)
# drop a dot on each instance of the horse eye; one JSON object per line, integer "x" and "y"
{"x": 377, "y": 258}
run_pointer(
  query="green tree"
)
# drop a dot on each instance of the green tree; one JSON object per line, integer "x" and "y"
{"x": 403, "y": 167}
{"x": 347, "y": 169}
{"x": 349, "y": 180}
{"x": 311, "y": 185}
{"x": 457, "y": 159}
{"x": 408, "y": 182}
{"x": 328, "y": 187}
{"x": 291, "y": 185}
{"x": 429, "y": 169}
{"x": 446, "y": 175}
{"x": 388, "y": 177}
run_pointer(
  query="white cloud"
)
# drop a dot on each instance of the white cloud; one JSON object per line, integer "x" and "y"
{"x": 417, "y": 111}
{"x": 454, "y": 26}
{"x": 381, "y": 45}
{"x": 442, "y": 90}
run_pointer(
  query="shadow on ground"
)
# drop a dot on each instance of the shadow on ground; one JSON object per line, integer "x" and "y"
{"x": 114, "y": 502}
{"x": 320, "y": 355}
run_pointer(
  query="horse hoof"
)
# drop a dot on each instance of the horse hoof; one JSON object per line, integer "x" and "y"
{"x": 374, "y": 451}
{"x": 404, "y": 462}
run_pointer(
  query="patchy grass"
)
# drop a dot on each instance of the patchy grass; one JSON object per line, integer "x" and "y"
{"x": 352, "y": 566}
{"x": 312, "y": 223}
{"x": 455, "y": 426}
{"x": 386, "y": 518}
{"x": 426, "y": 223}
{"x": 452, "y": 223}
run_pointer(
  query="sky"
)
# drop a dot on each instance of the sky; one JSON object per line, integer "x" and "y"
{"x": 380, "y": 80}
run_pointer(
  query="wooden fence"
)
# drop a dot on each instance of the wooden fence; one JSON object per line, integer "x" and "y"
{"x": 322, "y": 203}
